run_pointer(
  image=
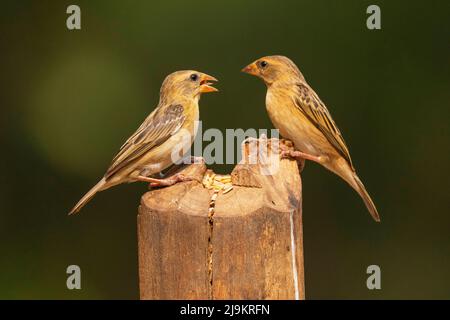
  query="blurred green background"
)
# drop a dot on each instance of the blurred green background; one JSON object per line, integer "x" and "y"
{"x": 70, "y": 98}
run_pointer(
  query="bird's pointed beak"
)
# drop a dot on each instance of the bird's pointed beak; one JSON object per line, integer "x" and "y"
{"x": 205, "y": 83}
{"x": 251, "y": 69}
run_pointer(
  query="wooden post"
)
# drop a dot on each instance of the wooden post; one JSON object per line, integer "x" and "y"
{"x": 249, "y": 246}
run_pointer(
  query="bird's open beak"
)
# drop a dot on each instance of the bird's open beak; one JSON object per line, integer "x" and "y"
{"x": 251, "y": 69}
{"x": 205, "y": 83}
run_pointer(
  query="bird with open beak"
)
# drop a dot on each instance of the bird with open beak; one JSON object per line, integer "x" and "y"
{"x": 300, "y": 116}
{"x": 171, "y": 126}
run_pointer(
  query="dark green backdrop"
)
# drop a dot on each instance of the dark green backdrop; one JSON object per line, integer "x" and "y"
{"x": 70, "y": 98}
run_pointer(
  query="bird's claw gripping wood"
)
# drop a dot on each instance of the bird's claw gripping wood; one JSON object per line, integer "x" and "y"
{"x": 287, "y": 152}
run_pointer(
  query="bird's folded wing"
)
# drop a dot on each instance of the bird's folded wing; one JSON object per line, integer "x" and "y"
{"x": 315, "y": 110}
{"x": 159, "y": 126}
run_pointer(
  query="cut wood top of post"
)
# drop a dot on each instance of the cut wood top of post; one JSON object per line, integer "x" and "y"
{"x": 261, "y": 179}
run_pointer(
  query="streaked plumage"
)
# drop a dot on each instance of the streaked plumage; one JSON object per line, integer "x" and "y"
{"x": 171, "y": 126}
{"x": 299, "y": 114}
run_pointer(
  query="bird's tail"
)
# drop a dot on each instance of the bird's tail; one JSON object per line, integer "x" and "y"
{"x": 359, "y": 187}
{"x": 88, "y": 196}
{"x": 346, "y": 172}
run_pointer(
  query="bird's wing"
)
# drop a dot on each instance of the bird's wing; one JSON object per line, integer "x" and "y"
{"x": 159, "y": 126}
{"x": 309, "y": 103}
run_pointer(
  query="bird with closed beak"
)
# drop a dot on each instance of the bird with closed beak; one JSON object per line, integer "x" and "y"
{"x": 297, "y": 112}
{"x": 162, "y": 139}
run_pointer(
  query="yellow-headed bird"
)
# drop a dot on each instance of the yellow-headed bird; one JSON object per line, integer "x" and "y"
{"x": 300, "y": 116}
{"x": 170, "y": 127}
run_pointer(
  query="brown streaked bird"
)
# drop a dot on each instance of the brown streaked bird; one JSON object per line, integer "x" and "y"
{"x": 162, "y": 138}
{"x": 300, "y": 116}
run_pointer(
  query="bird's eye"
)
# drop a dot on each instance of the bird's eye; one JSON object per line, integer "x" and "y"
{"x": 194, "y": 77}
{"x": 263, "y": 64}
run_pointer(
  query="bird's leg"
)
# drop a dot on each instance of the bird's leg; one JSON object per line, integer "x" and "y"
{"x": 164, "y": 182}
{"x": 294, "y": 154}
{"x": 300, "y": 157}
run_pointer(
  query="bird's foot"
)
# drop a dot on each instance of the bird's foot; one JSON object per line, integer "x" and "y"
{"x": 300, "y": 157}
{"x": 165, "y": 182}
{"x": 295, "y": 155}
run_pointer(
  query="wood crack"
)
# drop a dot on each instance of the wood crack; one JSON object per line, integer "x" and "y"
{"x": 210, "y": 242}
{"x": 217, "y": 183}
